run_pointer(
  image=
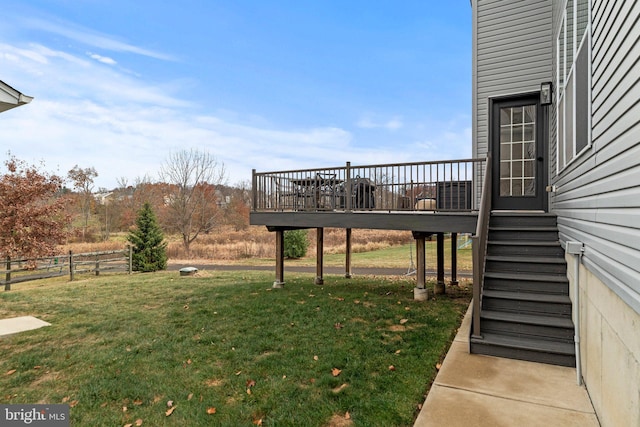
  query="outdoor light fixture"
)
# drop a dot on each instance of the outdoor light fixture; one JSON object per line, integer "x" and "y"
{"x": 546, "y": 93}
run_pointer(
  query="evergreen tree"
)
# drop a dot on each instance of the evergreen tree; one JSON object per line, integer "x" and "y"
{"x": 296, "y": 243}
{"x": 149, "y": 248}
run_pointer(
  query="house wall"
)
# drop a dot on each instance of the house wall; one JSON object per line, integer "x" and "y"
{"x": 597, "y": 201}
{"x": 609, "y": 347}
{"x": 512, "y": 53}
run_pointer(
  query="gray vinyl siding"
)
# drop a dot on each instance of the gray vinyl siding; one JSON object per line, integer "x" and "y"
{"x": 512, "y": 54}
{"x": 598, "y": 194}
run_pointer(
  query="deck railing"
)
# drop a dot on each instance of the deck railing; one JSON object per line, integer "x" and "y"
{"x": 451, "y": 185}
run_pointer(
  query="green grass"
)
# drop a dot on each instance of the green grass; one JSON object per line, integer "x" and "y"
{"x": 139, "y": 341}
{"x": 392, "y": 257}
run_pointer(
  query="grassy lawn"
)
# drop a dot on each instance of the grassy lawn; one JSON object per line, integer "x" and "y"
{"x": 398, "y": 256}
{"x": 355, "y": 352}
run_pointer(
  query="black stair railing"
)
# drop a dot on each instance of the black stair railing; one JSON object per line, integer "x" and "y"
{"x": 479, "y": 248}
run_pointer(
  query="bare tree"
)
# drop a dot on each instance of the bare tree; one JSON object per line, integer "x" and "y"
{"x": 192, "y": 203}
{"x": 82, "y": 180}
{"x": 239, "y": 206}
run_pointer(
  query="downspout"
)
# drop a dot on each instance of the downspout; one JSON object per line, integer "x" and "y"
{"x": 577, "y": 249}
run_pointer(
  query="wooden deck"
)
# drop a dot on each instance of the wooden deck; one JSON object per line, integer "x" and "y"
{"x": 416, "y": 221}
{"x": 426, "y": 198}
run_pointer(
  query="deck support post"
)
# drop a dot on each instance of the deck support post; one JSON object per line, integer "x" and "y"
{"x": 279, "y": 283}
{"x": 420, "y": 292}
{"x": 454, "y": 259}
{"x": 347, "y": 261}
{"x": 319, "y": 253}
{"x": 439, "y": 287}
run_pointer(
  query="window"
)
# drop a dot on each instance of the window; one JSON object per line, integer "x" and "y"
{"x": 573, "y": 79}
{"x": 518, "y": 151}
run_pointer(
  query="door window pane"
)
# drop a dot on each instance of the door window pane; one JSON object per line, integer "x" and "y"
{"x": 518, "y": 130}
{"x": 517, "y": 158}
{"x": 529, "y": 133}
{"x": 517, "y": 115}
{"x": 516, "y": 152}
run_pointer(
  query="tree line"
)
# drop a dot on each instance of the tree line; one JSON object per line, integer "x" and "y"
{"x": 40, "y": 210}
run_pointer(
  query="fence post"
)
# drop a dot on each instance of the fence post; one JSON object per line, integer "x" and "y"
{"x": 130, "y": 258}
{"x": 97, "y": 267}
{"x": 71, "y": 268}
{"x": 7, "y": 283}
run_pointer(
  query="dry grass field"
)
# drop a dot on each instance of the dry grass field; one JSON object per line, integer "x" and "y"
{"x": 256, "y": 242}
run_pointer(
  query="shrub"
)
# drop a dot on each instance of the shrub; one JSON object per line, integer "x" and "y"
{"x": 296, "y": 243}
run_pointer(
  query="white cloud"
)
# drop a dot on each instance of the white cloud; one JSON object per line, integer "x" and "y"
{"x": 93, "y": 38}
{"x": 124, "y": 126}
{"x": 368, "y": 122}
{"x": 103, "y": 59}
{"x": 99, "y": 117}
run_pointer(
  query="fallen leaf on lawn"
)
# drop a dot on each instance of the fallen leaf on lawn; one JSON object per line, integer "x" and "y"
{"x": 188, "y": 361}
{"x": 11, "y": 372}
{"x": 356, "y": 301}
{"x": 347, "y": 415}
{"x": 338, "y": 325}
{"x": 392, "y": 368}
{"x": 312, "y": 380}
{"x": 170, "y": 411}
{"x": 258, "y": 422}
{"x": 104, "y": 404}
{"x": 169, "y": 403}
{"x": 248, "y": 391}
{"x": 250, "y": 383}
{"x": 37, "y": 367}
{"x": 238, "y": 373}
{"x": 340, "y": 299}
{"x": 186, "y": 306}
{"x": 65, "y": 399}
{"x": 124, "y": 409}
{"x": 315, "y": 358}
{"x": 211, "y": 410}
{"x": 340, "y": 388}
{"x": 137, "y": 402}
{"x": 73, "y": 403}
{"x": 128, "y": 425}
{"x": 438, "y": 366}
{"x": 190, "y": 396}
{"x": 335, "y": 372}
{"x": 139, "y": 422}
{"x": 403, "y": 321}
{"x": 284, "y": 377}
{"x": 398, "y": 351}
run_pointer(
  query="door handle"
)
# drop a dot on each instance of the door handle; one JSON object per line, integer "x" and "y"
{"x": 540, "y": 158}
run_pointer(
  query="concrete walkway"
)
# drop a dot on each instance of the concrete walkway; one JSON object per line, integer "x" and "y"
{"x": 475, "y": 390}
{"x": 20, "y": 324}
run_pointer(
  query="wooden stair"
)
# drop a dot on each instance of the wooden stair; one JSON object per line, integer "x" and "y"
{"x": 526, "y": 309}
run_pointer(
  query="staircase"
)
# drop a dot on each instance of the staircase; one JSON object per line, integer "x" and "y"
{"x": 526, "y": 310}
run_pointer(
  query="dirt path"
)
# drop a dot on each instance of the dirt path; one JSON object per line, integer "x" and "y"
{"x": 361, "y": 271}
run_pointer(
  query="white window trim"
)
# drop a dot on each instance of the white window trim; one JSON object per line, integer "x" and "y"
{"x": 562, "y": 68}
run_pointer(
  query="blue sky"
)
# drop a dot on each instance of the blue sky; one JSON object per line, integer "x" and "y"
{"x": 276, "y": 85}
